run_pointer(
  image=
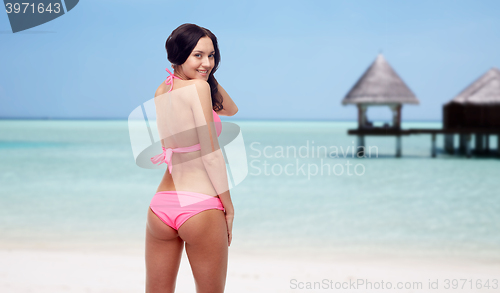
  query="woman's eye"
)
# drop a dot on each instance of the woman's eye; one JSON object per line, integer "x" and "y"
{"x": 211, "y": 55}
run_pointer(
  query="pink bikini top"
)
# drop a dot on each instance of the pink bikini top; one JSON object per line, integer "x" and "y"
{"x": 166, "y": 156}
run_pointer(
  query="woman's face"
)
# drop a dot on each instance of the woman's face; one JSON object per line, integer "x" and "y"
{"x": 201, "y": 61}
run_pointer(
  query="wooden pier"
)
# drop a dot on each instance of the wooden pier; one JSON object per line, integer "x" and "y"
{"x": 482, "y": 138}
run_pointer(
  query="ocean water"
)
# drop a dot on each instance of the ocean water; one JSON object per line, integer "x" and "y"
{"x": 74, "y": 183}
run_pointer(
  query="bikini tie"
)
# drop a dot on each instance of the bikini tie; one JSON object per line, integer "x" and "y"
{"x": 165, "y": 157}
{"x": 170, "y": 79}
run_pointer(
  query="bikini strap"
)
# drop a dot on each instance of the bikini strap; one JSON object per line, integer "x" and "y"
{"x": 170, "y": 79}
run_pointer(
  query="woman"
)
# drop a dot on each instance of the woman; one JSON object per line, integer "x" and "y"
{"x": 192, "y": 206}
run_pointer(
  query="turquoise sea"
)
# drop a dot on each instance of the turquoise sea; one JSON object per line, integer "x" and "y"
{"x": 74, "y": 184}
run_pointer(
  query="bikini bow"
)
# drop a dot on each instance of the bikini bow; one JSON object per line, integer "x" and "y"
{"x": 164, "y": 157}
{"x": 170, "y": 80}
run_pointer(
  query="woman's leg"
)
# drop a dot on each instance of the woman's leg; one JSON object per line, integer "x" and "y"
{"x": 163, "y": 255}
{"x": 205, "y": 235}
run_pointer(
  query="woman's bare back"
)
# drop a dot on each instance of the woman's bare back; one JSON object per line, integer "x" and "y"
{"x": 177, "y": 128}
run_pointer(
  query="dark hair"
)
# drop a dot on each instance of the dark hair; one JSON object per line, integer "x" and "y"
{"x": 181, "y": 43}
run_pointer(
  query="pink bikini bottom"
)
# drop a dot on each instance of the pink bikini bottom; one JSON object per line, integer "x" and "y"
{"x": 175, "y": 207}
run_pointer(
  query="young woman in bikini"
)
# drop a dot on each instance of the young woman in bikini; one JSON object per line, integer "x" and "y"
{"x": 192, "y": 206}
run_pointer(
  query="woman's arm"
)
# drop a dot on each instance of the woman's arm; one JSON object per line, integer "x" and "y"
{"x": 230, "y": 107}
{"x": 211, "y": 154}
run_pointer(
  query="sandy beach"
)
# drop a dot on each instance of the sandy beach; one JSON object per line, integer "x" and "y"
{"x": 46, "y": 271}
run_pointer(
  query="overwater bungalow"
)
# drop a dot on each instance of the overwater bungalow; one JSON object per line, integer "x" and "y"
{"x": 379, "y": 85}
{"x": 475, "y": 110}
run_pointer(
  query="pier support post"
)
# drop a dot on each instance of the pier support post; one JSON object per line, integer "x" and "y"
{"x": 462, "y": 148}
{"x": 479, "y": 143}
{"x": 360, "y": 151}
{"x": 449, "y": 140}
{"x": 487, "y": 143}
{"x": 467, "y": 144}
{"x": 398, "y": 146}
{"x": 433, "y": 147}
{"x": 498, "y": 144}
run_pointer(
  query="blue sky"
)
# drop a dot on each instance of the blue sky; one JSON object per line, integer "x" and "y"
{"x": 280, "y": 59}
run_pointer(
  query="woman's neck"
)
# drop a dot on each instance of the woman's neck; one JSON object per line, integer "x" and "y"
{"x": 180, "y": 74}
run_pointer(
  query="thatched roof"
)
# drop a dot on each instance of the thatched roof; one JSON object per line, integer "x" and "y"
{"x": 380, "y": 84}
{"x": 484, "y": 91}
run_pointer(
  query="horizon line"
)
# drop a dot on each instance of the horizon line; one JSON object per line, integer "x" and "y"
{"x": 222, "y": 118}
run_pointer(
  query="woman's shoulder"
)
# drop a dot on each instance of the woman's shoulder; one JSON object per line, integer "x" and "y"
{"x": 162, "y": 88}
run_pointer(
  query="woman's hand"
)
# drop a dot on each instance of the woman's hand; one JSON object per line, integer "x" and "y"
{"x": 229, "y": 222}
{"x": 225, "y": 199}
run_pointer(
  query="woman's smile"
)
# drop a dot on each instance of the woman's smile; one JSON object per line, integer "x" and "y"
{"x": 203, "y": 72}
